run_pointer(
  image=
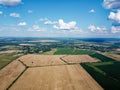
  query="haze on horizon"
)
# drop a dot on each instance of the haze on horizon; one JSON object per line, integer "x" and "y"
{"x": 60, "y": 18}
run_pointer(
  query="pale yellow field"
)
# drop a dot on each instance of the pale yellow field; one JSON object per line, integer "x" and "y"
{"x": 44, "y": 41}
{"x": 63, "y": 77}
{"x": 48, "y": 41}
{"x": 48, "y": 72}
{"x": 78, "y": 59}
{"x": 10, "y": 73}
{"x": 41, "y": 60}
{"x": 10, "y": 51}
{"x": 51, "y": 52}
{"x": 114, "y": 56}
{"x": 118, "y": 49}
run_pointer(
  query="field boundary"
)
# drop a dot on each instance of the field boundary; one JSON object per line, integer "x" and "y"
{"x": 61, "y": 58}
{"x": 52, "y": 65}
{"x": 26, "y": 67}
{"x": 10, "y": 62}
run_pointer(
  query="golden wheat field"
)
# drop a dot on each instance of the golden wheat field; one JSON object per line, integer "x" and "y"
{"x": 78, "y": 59}
{"x": 41, "y": 60}
{"x": 10, "y": 73}
{"x": 47, "y": 72}
{"x": 65, "y": 77}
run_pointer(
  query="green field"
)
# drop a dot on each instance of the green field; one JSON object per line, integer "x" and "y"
{"x": 107, "y": 74}
{"x": 6, "y": 58}
{"x": 101, "y": 57}
{"x": 70, "y": 51}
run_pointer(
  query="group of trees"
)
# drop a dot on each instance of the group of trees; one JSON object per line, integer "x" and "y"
{"x": 35, "y": 49}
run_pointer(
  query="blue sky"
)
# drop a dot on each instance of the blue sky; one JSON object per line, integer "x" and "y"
{"x": 60, "y": 18}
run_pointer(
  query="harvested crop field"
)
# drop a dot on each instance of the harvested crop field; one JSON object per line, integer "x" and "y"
{"x": 42, "y": 60}
{"x": 47, "y": 72}
{"x": 10, "y": 73}
{"x": 78, "y": 59}
{"x": 63, "y": 77}
{"x": 44, "y": 41}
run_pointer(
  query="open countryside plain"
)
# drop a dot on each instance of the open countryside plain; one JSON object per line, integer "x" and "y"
{"x": 10, "y": 73}
{"x": 41, "y": 60}
{"x": 78, "y": 59}
{"x": 48, "y": 72}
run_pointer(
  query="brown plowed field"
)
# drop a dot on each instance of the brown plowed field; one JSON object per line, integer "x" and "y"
{"x": 63, "y": 77}
{"x": 78, "y": 59}
{"x": 10, "y": 73}
{"x": 41, "y": 60}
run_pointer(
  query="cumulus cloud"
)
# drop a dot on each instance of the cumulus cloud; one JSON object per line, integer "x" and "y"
{"x": 77, "y": 31}
{"x": 22, "y": 24}
{"x": 92, "y": 11}
{"x": 111, "y": 4}
{"x": 115, "y": 16}
{"x": 48, "y": 22}
{"x": 65, "y": 26}
{"x": 10, "y": 2}
{"x": 30, "y": 11}
{"x": 115, "y": 29}
{"x": 1, "y": 12}
{"x": 94, "y": 28}
{"x": 36, "y": 28}
{"x": 43, "y": 19}
{"x": 16, "y": 15}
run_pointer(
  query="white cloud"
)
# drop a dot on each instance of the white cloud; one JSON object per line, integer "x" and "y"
{"x": 10, "y": 2}
{"x": 115, "y": 29}
{"x": 115, "y": 16}
{"x": 22, "y": 24}
{"x": 94, "y": 28}
{"x": 30, "y": 11}
{"x": 36, "y": 28}
{"x": 111, "y": 4}
{"x": 65, "y": 26}
{"x": 62, "y": 26}
{"x": 48, "y": 22}
{"x": 1, "y": 12}
{"x": 56, "y": 27}
{"x": 92, "y": 11}
{"x": 16, "y": 15}
{"x": 43, "y": 19}
{"x": 77, "y": 31}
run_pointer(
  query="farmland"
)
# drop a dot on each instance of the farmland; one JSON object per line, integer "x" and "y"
{"x": 42, "y": 60}
{"x": 106, "y": 74}
{"x": 70, "y": 51}
{"x": 78, "y": 59}
{"x": 65, "y": 77}
{"x": 112, "y": 55}
{"x": 6, "y": 58}
{"x": 10, "y": 73}
{"x": 44, "y": 41}
{"x": 47, "y": 72}
{"x": 99, "y": 57}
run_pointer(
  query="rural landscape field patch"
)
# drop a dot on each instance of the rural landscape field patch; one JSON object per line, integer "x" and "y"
{"x": 10, "y": 73}
{"x": 47, "y": 72}
{"x": 78, "y": 59}
{"x": 42, "y": 60}
{"x": 65, "y": 77}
